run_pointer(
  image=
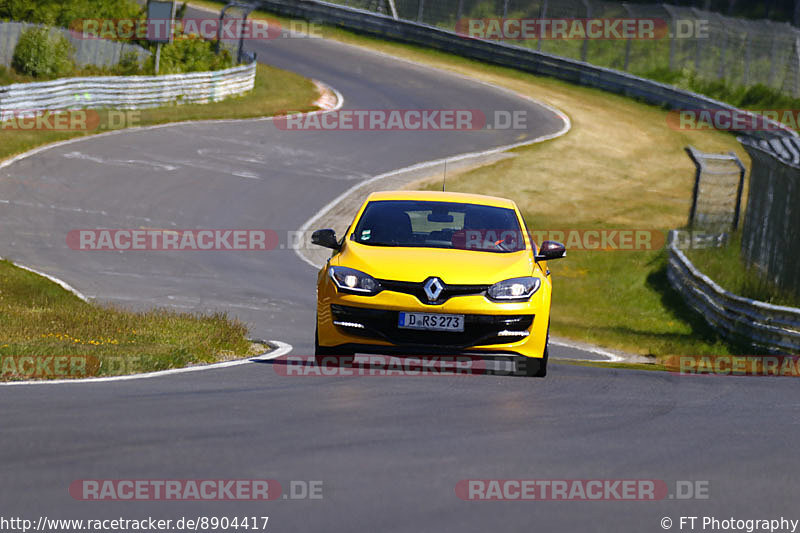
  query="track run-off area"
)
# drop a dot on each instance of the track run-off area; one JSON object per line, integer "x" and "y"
{"x": 389, "y": 452}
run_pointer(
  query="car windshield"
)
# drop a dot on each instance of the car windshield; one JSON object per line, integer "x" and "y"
{"x": 411, "y": 223}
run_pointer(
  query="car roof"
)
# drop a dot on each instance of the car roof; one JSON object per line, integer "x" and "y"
{"x": 439, "y": 196}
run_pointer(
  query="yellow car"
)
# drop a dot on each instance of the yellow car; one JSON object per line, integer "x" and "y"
{"x": 432, "y": 272}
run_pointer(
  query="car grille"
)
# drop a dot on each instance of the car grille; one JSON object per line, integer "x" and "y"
{"x": 418, "y": 289}
{"x": 479, "y": 330}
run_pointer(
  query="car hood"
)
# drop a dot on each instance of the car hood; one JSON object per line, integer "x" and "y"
{"x": 455, "y": 267}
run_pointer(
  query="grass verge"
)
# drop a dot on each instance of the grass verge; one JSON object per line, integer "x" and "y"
{"x": 621, "y": 167}
{"x": 275, "y": 91}
{"x": 40, "y": 320}
{"x": 726, "y": 267}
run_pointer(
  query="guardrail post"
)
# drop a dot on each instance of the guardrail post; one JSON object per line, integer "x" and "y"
{"x": 420, "y": 10}
{"x": 673, "y": 41}
{"x": 629, "y": 41}
{"x": 542, "y": 15}
{"x": 747, "y": 57}
{"x": 773, "y": 53}
{"x": 585, "y": 45}
{"x": 796, "y": 53}
{"x": 393, "y": 10}
{"x": 698, "y": 51}
{"x": 696, "y": 190}
{"x": 724, "y": 48}
{"x": 742, "y": 171}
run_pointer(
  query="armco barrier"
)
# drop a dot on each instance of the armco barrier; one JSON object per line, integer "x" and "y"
{"x": 772, "y": 328}
{"x": 128, "y": 92}
{"x": 771, "y": 232}
{"x": 508, "y": 55}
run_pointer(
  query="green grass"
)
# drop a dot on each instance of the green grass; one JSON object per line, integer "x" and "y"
{"x": 626, "y": 366}
{"x": 726, "y": 267}
{"x": 275, "y": 92}
{"x": 41, "y": 319}
{"x": 621, "y": 167}
{"x": 650, "y": 59}
{"x": 9, "y": 76}
{"x": 38, "y": 318}
{"x": 624, "y": 300}
{"x": 620, "y": 299}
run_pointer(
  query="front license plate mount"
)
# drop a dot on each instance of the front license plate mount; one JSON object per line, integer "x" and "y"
{"x": 431, "y": 321}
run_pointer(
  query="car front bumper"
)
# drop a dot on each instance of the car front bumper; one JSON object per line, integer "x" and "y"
{"x": 489, "y": 327}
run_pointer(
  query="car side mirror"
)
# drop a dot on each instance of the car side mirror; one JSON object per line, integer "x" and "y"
{"x": 326, "y": 238}
{"x": 551, "y": 250}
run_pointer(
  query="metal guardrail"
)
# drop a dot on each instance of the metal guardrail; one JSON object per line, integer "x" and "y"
{"x": 773, "y": 328}
{"x": 128, "y": 92}
{"x": 770, "y": 327}
{"x": 509, "y": 55}
{"x": 710, "y": 45}
{"x": 771, "y": 231}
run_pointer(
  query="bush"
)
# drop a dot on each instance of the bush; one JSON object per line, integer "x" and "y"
{"x": 64, "y": 13}
{"x": 43, "y": 54}
{"x": 128, "y": 64}
{"x": 190, "y": 55}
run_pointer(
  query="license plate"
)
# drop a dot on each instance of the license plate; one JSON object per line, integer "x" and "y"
{"x": 431, "y": 321}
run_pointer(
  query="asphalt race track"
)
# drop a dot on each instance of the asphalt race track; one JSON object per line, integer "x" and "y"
{"x": 389, "y": 451}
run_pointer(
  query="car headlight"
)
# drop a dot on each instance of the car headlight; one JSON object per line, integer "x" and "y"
{"x": 353, "y": 281}
{"x": 515, "y": 289}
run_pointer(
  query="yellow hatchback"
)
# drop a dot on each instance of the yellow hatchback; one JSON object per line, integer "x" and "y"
{"x": 436, "y": 272}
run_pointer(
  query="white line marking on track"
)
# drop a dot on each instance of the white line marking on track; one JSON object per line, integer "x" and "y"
{"x": 63, "y": 284}
{"x": 612, "y": 358}
{"x": 427, "y": 164}
{"x": 282, "y": 348}
{"x": 34, "y": 151}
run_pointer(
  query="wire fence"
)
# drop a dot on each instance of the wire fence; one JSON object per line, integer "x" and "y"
{"x": 99, "y": 52}
{"x": 236, "y": 14}
{"x": 706, "y": 44}
{"x": 717, "y": 196}
{"x": 771, "y": 232}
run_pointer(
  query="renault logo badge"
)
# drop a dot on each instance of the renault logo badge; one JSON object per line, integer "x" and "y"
{"x": 433, "y": 289}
